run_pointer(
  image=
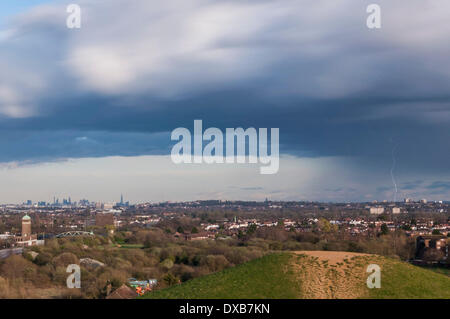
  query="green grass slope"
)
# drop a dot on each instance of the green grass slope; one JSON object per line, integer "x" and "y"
{"x": 266, "y": 277}
{"x": 402, "y": 280}
{"x": 301, "y": 275}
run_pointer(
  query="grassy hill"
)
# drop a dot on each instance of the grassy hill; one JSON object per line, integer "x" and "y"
{"x": 313, "y": 275}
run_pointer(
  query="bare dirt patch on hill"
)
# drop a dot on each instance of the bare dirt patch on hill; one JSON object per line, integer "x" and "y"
{"x": 333, "y": 257}
{"x": 331, "y": 274}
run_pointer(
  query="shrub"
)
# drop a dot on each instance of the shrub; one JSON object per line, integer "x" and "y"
{"x": 65, "y": 259}
{"x": 42, "y": 259}
{"x": 16, "y": 266}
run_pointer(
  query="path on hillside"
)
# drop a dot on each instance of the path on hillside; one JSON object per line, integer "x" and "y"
{"x": 330, "y": 274}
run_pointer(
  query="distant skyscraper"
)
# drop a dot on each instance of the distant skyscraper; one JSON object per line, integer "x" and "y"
{"x": 121, "y": 199}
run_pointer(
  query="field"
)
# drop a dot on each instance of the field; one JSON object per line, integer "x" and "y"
{"x": 313, "y": 274}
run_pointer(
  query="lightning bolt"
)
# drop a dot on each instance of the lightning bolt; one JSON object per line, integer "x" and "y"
{"x": 392, "y": 173}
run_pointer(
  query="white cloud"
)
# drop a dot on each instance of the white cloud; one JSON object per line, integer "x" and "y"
{"x": 176, "y": 48}
{"x": 101, "y": 69}
{"x": 11, "y": 104}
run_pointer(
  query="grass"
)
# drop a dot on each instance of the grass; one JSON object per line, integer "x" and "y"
{"x": 289, "y": 276}
{"x": 266, "y": 277}
{"x": 445, "y": 271}
{"x": 402, "y": 280}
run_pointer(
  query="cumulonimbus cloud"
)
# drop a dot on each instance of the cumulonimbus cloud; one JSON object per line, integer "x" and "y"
{"x": 312, "y": 68}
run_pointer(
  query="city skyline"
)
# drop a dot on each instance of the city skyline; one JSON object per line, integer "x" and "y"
{"x": 85, "y": 201}
{"x": 67, "y": 201}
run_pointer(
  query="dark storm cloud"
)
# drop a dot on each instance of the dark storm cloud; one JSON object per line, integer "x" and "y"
{"x": 411, "y": 185}
{"x": 38, "y": 146}
{"x": 383, "y": 189}
{"x": 311, "y": 68}
{"x": 439, "y": 185}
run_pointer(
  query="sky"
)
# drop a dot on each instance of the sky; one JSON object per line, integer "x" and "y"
{"x": 363, "y": 113}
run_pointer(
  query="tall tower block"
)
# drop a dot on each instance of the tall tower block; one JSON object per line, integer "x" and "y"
{"x": 26, "y": 227}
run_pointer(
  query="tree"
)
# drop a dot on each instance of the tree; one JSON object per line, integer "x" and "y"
{"x": 167, "y": 263}
{"x": 251, "y": 229}
{"x": 436, "y": 232}
{"x": 65, "y": 259}
{"x": 325, "y": 226}
{"x": 180, "y": 229}
{"x": 171, "y": 279}
{"x": 384, "y": 229}
{"x": 16, "y": 267}
{"x": 42, "y": 259}
{"x": 216, "y": 263}
{"x": 194, "y": 230}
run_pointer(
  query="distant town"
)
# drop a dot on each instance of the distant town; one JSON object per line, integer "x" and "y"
{"x": 57, "y": 218}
